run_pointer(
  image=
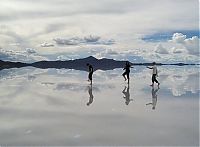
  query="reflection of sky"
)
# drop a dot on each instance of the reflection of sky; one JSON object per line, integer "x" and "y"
{"x": 48, "y": 107}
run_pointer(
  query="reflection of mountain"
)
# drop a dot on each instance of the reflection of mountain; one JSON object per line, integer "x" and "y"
{"x": 78, "y": 64}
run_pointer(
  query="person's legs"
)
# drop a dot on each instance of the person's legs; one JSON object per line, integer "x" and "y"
{"x": 152, "y": 79}
{"x": 157, "y": 81}
{"x": 124, "y": 75}
{"x": 90, "y": 76}
{"x": 128, "y": 76}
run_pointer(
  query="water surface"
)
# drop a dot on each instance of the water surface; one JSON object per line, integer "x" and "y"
{"x": 59, "y": 107}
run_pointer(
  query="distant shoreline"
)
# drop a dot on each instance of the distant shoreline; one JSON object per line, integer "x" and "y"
{"x": 80, "y": 64}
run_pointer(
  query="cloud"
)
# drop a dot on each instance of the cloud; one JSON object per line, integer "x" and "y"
{"x": 95, "y": 40}
{"x": 70, "y": 41}
{"x": 45, "y": 44}
{"x": 178, "y": 38}
{"x": 160, "y": 49}
{"x": 28, "y": 22}
{"x": 91, "y": 39}
{"x": 30, "y": 50}
{"x": 29, "y": 55}
{"x": 177, "y": 50}
{"x": 190, "y": 44}
{"x": 62, "y": 58}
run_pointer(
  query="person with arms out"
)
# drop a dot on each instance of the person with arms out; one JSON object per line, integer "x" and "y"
{"x": 154, "y": 74}
{"x": 127, "y": 71}
{"x": 91, "y": 70}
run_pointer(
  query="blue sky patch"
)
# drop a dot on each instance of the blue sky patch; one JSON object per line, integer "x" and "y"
{"x": 164, "y": 36}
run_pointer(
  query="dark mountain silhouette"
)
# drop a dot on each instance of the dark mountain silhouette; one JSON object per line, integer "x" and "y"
{"x": 78, "y": 64}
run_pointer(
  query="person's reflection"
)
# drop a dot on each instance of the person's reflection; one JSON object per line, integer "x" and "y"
{"x": 126, "y": 95}
{"x": 154, "y": 98}
{"x": 90, "y": 94}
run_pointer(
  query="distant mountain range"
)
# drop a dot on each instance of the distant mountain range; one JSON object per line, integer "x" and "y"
{"x": 79, "y": 64}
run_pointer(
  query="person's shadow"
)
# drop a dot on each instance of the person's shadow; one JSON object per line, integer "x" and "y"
{"x": 126, "y": 95}
{"x": 154, "y": 98}
{"x": 90, "y": 94}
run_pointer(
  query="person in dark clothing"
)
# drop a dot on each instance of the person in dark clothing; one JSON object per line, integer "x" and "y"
{"x": 91, "y": 70}
{"x": 127, "y": 71}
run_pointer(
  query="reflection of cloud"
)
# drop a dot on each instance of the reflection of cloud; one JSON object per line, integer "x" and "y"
{"x": 181, "y": 80}
{"x": 80, "y": 87}
{"x": 47, "y": 83}
{"x": 72, "y": 87}
{"x": 31, "y": 77}
{"x": 13, "y": 73}
{"x": 85, "y": 40}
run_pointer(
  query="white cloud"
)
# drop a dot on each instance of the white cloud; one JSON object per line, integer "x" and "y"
{"x": 160, "y": 49}
{"x": 29, "y": 22}
{"x": 29, "y": 55}
{"x": 178, "y": 38}
{"x": 45, "y": 44}
{"x": 30, "y": 50}
{"x": 190, "y": 44}
{"x": 94, "y": 40}
{"x": 177, "y": 50}
{"x": 63, "y": 58}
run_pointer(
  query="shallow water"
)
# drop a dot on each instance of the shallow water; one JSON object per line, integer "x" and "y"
{"x": 59, "y": 107}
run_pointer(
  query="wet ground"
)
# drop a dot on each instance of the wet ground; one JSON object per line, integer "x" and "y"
{"x": 59, "y": 107}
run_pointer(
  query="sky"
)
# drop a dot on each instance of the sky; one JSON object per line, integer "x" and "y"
{"x": 135, "y": 30}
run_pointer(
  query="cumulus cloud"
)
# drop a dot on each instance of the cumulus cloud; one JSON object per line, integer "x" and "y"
{"x": 107, "y": 53}
{"x": 161, "y": 50}
{"x": 28, "y": 55}
{"x": 190, "y": 44}
{"x": 62, "y": 58}
{"x": 45, "y": 44}
{"x": 84, "y": 41}
{"x": 178, "y": 38}
{"x": 177, "y": 50}
{"x": 30, "y": 50}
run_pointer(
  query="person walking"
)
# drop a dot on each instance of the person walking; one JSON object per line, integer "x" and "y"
{"x": 154, "y": 74}
{"x": 127, "y": 71}
{"x": 91, "y": 70}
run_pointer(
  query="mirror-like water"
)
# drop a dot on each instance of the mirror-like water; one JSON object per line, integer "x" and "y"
{"x": 59, "y": 107}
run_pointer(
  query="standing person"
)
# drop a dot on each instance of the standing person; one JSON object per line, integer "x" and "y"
{"x": 154, "y": 74}
{"x": 127, "y": 71}
{"x": 91, "y": 70}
